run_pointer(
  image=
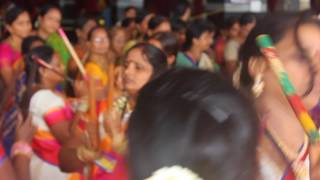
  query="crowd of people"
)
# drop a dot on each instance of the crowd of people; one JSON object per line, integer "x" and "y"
{"x": 157, "y": 97}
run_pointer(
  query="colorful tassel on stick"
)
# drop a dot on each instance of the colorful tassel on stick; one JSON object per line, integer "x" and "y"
{"x": 267, "y": 48}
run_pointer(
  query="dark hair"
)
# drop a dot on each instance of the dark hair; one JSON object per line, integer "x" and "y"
{"x": 44, "y": 9}
{"x": 93, "y": 30}
{"x": 276, "y": 26}
{"x": 178, "y": 25}
{"x": 12, "y": 14}
{"x": 32, "y": 71}
{"x": 195, "y": 29}
{"x": 180, "y": 9}
{"x": 127, "y": 22}
{"x": 246, "y": 18}
{"x": 230, "y": 22}
{"x": 28, "y": 41}
{"x": 83, "y": 20}
{"x": 141, "y": 15}
{"x": 156, "y": 21}
{"x": 154, "y": 56}
{"x": 169, "y": 42}
{"x": 129, "y": 8}
{"x": 194, "y": 119}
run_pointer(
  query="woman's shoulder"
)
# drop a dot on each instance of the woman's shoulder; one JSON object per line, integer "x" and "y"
{"x": 8, "y": 55}
{"x": 5, "y": 49}
{"x": 45, "y": 99}
{"x": 44, "y": 94}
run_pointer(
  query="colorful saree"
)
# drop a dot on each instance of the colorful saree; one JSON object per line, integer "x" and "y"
{"x": 2, "y": 155}
{"x": 47, "y": 109}
{"x": 10, "y": 58}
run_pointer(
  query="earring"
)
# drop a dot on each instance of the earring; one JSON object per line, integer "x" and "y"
{"x": 258, "y": 85}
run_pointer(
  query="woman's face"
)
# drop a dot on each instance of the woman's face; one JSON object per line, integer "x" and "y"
{"x": 52, "y": 76}
{"x": 119, "y": 41}
{"x": 294, "y": 63}
{"x": 51, "y": 21}
{"x": 99, "y": 42}
{"x": 309, "y": 36}
{"x": 137, "y": 71}
{"x": 131, "y": 13}
{"x": 21, "y": 27}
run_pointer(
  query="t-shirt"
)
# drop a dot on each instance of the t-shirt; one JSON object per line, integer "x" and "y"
{"x": 184, "y": 61}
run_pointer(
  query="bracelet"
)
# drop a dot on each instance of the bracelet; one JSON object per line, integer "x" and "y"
{"x": 21, "y": 148}
{"x": 84, "y": 153}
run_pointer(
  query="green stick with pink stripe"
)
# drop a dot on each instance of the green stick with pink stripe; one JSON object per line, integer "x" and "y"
{"x": 267, "y": 48}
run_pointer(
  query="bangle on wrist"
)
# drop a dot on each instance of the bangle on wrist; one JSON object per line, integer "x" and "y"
{"x": 21, "y": 148}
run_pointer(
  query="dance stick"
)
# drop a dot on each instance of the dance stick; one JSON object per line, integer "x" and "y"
{"x": 42, "y": 63}
{"x": 94, "y": 136}
{"x": 267, "y": 48}
{"x": 72, "y": 51}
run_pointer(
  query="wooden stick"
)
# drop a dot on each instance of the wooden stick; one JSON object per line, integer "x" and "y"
{"x": 72, "y": 51}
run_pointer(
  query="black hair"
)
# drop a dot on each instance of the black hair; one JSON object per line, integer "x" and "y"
{"x": 127, "y": 22}
{"x": 82, "y": 20}
{"x": 28, "y": 41}
{"x": 247, "y": 18}
{"x": 181, "y": 8}
{"x": 141, "y": 15}
{"x": 195, "y": 29}
{"x": 230, "y": 22}
{"x": 178, "y": 25}
{"x": 32, "y": 71}
{"x": 154, "y": 56}
{"x": 276, "y": 26}
{"x": 44, "y": 9}
{"x": 194, "y": 119}
{"x": 129, "y": 8}
{"x": 156, "y": 21}
{"x": 12, "y": 14}
{"x": 93, "y": 30}
{"x": 169, "y": 42}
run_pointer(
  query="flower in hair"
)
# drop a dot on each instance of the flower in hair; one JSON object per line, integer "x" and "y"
{"x": 174, "y": 173}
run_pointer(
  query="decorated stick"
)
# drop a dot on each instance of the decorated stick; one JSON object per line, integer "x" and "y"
{"x": 94, "y": 135}
{"x": 42, "y": 63}
{"x": 269, "y": 51}
{"x": 72, "y": 51}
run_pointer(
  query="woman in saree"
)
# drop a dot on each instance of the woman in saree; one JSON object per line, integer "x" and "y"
{"x": 100, "y": 62}
{"x": 49, "y": 111}
{"x": 284, "y": 150}
{"x": 143, "y": 63}
{"x": 83, "y": 26}
{"x": 49, "y": 21}
{"x": 18, "y": 24}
